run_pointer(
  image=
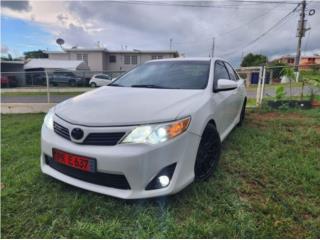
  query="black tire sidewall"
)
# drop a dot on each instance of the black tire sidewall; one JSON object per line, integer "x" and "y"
{"x": 209, "y": 151}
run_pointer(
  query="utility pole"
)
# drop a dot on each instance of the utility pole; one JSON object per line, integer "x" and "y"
{"x": 212, "y": 48}
{"x": 300, "y": 34}
{"x": 170, "y": 43}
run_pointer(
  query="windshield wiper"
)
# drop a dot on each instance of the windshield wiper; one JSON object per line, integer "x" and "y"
{"x": 147, "y": 86}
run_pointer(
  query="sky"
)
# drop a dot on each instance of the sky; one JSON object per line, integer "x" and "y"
{"x": 237, "y": 27}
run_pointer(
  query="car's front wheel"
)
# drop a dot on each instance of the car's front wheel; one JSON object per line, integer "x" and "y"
{"x": 93, "y": 85}
{"x": 208, "y": 153}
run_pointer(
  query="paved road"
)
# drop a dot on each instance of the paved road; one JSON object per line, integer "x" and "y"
{"x": 296, "y": 91}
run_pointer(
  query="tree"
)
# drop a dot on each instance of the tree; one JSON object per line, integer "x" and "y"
{"x": 254, "y": 60}
{"x": 35, "y": 54}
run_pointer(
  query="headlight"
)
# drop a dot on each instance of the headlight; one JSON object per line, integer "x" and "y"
{"x": 48, "y": 119}
{"x": 153, "y": 134}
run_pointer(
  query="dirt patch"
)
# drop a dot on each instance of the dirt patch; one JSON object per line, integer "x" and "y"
{"x": 271, "y": 116}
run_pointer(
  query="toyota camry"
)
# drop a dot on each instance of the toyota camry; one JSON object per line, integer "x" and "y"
{"x": 150, "y": 133}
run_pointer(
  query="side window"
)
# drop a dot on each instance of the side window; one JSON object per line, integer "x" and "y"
{"x": 220, "y": 71}
{"x": 232, "y": 73}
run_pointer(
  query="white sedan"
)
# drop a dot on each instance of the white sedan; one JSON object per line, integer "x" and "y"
{"x": 149, "y": 133}
{"x": 99, "y": 80}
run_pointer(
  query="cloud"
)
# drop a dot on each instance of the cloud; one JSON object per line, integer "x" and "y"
{"x": 149, "y": 26}
{"x": 16, "y": 5}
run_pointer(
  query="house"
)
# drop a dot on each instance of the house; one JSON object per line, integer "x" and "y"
{"x": 104, "y": 60}
{"x": 251, "y": 75}
{"x": 305, "y": 61}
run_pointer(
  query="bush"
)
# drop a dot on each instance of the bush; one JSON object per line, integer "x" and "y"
{"x": 280, "y": 92}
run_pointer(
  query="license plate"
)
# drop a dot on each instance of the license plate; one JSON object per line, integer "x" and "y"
{"x": 75, "y": 161}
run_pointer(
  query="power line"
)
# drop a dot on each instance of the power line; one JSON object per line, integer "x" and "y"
{"x": 200, "y": 41}
{"x": 225, "y": 5}
{"x": 277, "y": 24}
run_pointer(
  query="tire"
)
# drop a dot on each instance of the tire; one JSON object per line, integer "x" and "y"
{"x": 93, "y": 85}
{"x": 208, "y": 153}
{"x": 243, "y": 113}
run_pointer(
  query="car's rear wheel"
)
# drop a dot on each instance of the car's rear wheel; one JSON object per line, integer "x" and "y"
{"x": 93, "y": 85}
{"x": 208, "y": 153}
{"x": 243, "y": 113}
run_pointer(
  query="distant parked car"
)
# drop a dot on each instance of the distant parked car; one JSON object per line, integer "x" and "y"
{"x": 99, "y": 80}
{"x": 8, "y": 81}
{"x": 66, "y": 78}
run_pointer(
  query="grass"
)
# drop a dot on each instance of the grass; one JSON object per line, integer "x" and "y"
{"x": 266, "y": 186}
{"x": 22, "y": 94}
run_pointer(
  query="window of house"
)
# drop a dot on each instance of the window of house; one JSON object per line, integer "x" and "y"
{"x": 83, "y": 57}
{"x": 311, "y": 60}
{"x": 126, "y": 59}
{"x": 134, "y": 59}
{"x": 290, "y": 60}
{"x": 112, "y": 59}
{"x": 153, "y": 57}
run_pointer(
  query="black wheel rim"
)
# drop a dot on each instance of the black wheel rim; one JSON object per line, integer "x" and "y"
{"x": 207, "y": 158}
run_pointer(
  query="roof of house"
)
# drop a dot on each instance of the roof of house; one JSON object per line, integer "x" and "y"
{"x": 55, "y": 64}
{"x": 111, "y": 51}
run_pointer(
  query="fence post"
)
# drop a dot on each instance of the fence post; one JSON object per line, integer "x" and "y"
{"x": 258, "y": 88}
{"x": 48, "y": 83}
{"x": 263, "y": 83}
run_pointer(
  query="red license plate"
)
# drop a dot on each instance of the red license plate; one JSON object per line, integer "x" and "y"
{"x": 75, "y": 161}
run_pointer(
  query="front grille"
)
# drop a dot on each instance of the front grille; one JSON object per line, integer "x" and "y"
{"x": 61, "y": 130}
{"x": 103, "y": 139}
{"x": 105, "y": 179}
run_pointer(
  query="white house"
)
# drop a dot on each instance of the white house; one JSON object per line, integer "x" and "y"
{"x": 104, "y": 60}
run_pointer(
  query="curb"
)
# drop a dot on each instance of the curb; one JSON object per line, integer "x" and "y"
{"x": 9, "y": 108}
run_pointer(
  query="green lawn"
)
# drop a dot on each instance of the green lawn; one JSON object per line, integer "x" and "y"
{"x": 22, "y": 94}
{"x": 267, "y": 186}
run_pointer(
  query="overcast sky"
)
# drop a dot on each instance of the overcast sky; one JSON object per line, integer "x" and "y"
{"x": 28, "y": 25}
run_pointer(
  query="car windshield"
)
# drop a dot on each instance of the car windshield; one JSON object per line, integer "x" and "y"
{"x": 168, "y": 75}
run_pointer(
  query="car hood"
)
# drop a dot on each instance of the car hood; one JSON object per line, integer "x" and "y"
{"x": 119, "y": 106}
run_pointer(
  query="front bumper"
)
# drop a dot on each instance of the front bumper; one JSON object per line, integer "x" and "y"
{"x": 139, "y": 163}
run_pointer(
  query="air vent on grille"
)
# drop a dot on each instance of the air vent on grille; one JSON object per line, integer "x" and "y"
{"x": 60, "y": 130}
{"x": 104, "y": 139}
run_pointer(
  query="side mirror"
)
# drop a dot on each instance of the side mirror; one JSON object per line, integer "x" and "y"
{"x": 225, "y": 85}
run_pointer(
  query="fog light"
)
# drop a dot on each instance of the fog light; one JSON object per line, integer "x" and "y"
{"x": 164, "y": 180}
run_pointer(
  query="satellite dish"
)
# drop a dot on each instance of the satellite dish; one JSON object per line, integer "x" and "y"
{"x": 60, "y": 42}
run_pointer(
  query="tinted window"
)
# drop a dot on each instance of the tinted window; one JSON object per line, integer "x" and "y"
{"x": 220, "y": 72}
{"x": 168, "y": 74}
{"x": 102, "y": 77}
{"x": 232, "y": 73}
